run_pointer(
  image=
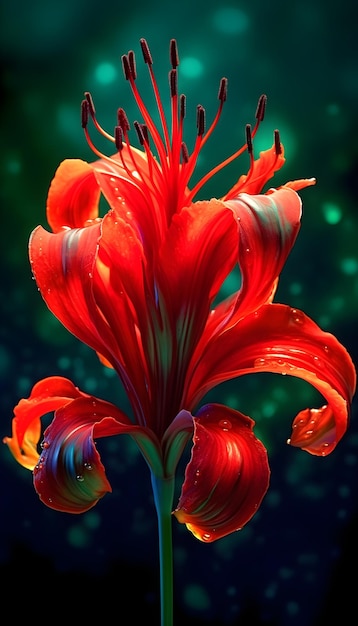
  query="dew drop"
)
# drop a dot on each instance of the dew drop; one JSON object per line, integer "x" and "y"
{"x": 206, "y": 536}
{"x": 225, "y": 425}
{"x": 80, "y": 478}
{"x": 297, "y": 317}
{"x": 88, "y": 466}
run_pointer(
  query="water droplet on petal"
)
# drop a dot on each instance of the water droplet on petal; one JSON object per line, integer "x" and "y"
{"x": 80, "y": 478}
{"x": 225, "y": 424}
{"x": 297, "y": 317}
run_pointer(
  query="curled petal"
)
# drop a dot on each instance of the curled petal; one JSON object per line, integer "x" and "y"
{"x": 69, "y": 475}
{"x": 73, "y": 196}
{"x": 280, "y": 339}
{"x": 46, "y": 396}
{"x": 227, "y": 476}
{"x": 269, "y": 225}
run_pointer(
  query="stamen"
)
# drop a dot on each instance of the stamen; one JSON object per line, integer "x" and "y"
{"x": 249, "y": 139}
{"x": 223, "y": 90}
{"x": 146, "y": 52}
{"x": 84, "y": 113}
{"x": 91, "y": 110}
{"x": 182, "y": 107}
{"x": 173, "y": 81}
{"x": 174, "y": 57}
{"x": 261, "y": 108}
{"x": 123, "y": 120}
{"x": 118, "y": 138}
{"x": 184, "y": 152}
{"x": 200, "y": 120}
{"x": 278, "y": 147}
{"x": 139, "y": 131}
{"x": 126, "y": 67}
{"x": 132, "y": 64}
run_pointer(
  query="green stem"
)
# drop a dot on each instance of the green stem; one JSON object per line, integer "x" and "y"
{"x": 163, "y": 490}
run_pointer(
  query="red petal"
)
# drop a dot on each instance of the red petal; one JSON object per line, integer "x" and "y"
{"x": 263, "y": 169}
{"x": 279, "y": 339}
{"x": 199, "y": 252}
{"x": 73, "y": 196}
{"x": 227, "y": 476}
{"x": 69, "y": 475}
{"x": 269, "y": 225}
{"x": 47, "y": 395}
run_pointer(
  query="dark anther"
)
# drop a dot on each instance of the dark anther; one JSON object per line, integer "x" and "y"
{"x": 118, "y": 137}
{"x": 146, "y": 52}
{"x": 173, "y": 81}
{"x": 200, "y": 120}
{"x": 126, "y": 67}
{"x": 139, "y": 131}
{"x": 174, "y": 57}
{"x": 184, "y": 153}
{"x": 84, "y": 113}
{"x": 123, "y": 120}
{"x": 248, "y": 138}
{"x": 278, "y": 148}
{"x": 261, "y": 107}
{"x": 182, "y": 106}
{"x": 131, "y": 59}
{"x": 222, "y": 90}
{"x": 145, "y": 133}
{"x": 91, "y": 109}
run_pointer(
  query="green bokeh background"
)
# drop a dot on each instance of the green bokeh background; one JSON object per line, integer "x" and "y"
{"x": 290, "y": 564}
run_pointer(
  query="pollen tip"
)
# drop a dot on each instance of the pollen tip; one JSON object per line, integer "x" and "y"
{"x": 174, "y": 57}
{"x": 249, "y": 138}
{"x": 123, "y": 120}
{"x": 173, "y": 81}
{"x": 146, "y": 52}
{"x": 261, "y": 107}
{"x": 184, "y": 153}
{"x": 278, "y": 147}
{"x": 84, "y": 113}
{"x": 222, "y": 95}
{"x": 126, "y": 67}
{"x": 118, "y": 138}
{"x": 200, "y": 120}
{"x": 139, "y": 131}
{"x": 91, "y": 109}
{"x": 182, "y": 106}
{"x": 132, "y": 64}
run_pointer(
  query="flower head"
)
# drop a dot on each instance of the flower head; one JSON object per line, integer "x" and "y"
{"x": 141, "y": 285}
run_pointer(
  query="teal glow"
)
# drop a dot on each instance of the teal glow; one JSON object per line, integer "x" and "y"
{"x": 191, "y": 67}
{"x": 349, "y": 266}
{"x": 332, "y": 212}
{"x": 106, "y": 73}
{"x": 196, "y": 597}
{"x": 231, "y": 21}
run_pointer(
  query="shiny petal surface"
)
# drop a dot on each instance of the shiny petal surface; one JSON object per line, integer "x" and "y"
{"x": 269, "y": 225}
{"x": 227, "y": 476}
{"x": 46, "y": 396}
{"x": 73, "y": 196}
{"x": 280, "y": 339}
{"x": 69, "y": 475}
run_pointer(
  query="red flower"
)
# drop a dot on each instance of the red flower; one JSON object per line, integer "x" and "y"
{"x": 141, "y": 286}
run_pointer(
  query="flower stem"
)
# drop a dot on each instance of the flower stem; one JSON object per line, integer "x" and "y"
{"x": 163, "y": 490}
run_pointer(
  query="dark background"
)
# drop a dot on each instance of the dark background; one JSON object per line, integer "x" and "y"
{"x": 292, "y": 564}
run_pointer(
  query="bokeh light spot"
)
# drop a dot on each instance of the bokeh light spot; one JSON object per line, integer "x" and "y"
{"x": 196, "y": 597}
{"x": 78, "y": 537}
{"x": 349, "y": 266}
{"x": 231, "y": 21}
{"x": 191, "y": 67}
{"x": 105, "y": 73}
{"x": 332, "y": 212}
